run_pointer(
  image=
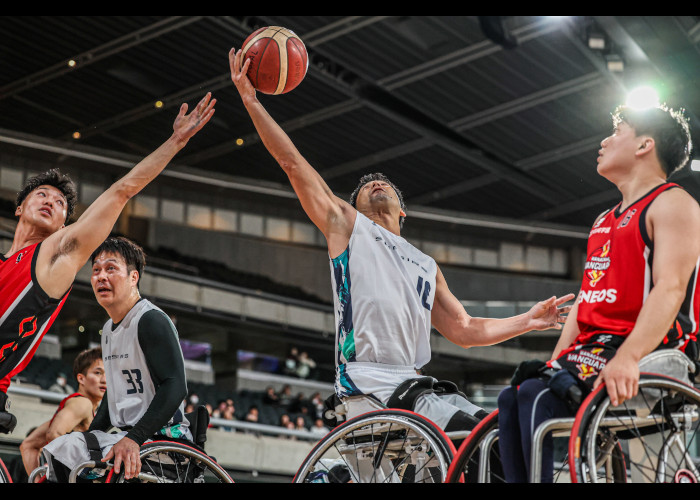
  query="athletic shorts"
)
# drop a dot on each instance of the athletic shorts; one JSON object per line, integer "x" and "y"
{"x": 378, "y": 382}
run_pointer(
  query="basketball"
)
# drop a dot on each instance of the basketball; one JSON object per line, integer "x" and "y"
{"x": 278, "y": 59}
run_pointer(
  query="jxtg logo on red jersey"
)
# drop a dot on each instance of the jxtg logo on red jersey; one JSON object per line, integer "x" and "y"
{"x": 604, "y": 295}
{"x": 598, "y": 263}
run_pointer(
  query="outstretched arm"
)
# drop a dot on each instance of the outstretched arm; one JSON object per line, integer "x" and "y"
{"x": 451, "y": 319}
{"x": 333, "y": 216}
{"x": 63, "y": 253}
{"x": 568, "y": 333}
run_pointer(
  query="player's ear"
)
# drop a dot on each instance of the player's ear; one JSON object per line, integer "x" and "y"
{"x": 135, "y": 277}
{"x": 647, "y": 144}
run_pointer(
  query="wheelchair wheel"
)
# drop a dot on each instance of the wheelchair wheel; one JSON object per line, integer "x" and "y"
{"x": 385, "y": 446}
{"x": 468, "y": 466}
{"x": 4, "y": 475}
{"x": 170, "y": 462}
{"x": 38, "y": 475}
{"x": 650, "y": 438}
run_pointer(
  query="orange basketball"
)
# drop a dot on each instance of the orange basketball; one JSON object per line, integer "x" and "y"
{"x": 278, "y": 59}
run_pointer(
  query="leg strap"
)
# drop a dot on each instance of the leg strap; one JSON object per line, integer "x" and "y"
{"x": 93, "y": 446}
{"x": 406, "y": 394}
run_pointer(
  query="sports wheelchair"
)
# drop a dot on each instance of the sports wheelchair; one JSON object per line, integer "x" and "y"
{"x": 164, "y": 460}
{"x": 379, "y": 445}
{"x": 652, "y": 437}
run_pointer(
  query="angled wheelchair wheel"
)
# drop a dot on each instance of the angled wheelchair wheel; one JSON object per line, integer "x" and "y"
{"x": 170, "y": 462}
{"x": 477, "y": 459}
{"x": 4, "y": 475}
{"x": 385, "y": 446}
{"x": 38, "y": 475}
{"x": 651, "y": 438}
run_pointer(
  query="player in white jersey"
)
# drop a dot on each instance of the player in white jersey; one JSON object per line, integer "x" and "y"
{"x": 144, "y": 368}
{"x": 387, "y": 292}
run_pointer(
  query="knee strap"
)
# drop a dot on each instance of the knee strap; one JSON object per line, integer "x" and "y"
{"x": 406, "y": 394}
{"x": 93, "y": 446}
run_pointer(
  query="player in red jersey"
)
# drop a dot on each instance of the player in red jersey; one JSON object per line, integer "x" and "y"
{"x": 639, "y": 291}
{"x": 75, "y": 412}
{"x": 37, "y": 272}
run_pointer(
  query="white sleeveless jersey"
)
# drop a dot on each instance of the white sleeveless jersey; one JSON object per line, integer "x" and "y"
{"x": 383, "y": 291}
{"x": 130, "y": 388}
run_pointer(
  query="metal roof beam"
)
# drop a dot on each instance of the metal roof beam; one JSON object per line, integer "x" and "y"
{"x": 98, "y": 53}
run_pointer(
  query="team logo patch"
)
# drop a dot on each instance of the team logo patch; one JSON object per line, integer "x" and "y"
{"x": 597, "y": 264}
{"x": 588, "y": 363}
{"x": 628, "y": 217}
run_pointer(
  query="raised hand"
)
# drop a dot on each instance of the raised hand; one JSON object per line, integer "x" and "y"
{"x": 186, "y": 126}
{"x": 547, "y": 313}
{"x": 239, "y": 73}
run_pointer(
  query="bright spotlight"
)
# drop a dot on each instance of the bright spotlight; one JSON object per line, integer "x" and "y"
{"x": 643, "y": 97}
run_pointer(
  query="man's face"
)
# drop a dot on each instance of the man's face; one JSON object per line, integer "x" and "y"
{"x": 45, "y": 207}
{"x": 111, "y": 280}
{"x": 377, "y": 195}
{"x": 618, "y": 150}
{"x": 94, "y": 380}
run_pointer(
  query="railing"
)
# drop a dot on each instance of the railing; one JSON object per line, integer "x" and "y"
{"x": 250, "y": 427}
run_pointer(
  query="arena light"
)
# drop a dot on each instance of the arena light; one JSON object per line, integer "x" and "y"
{"x": 642, "y": 98}
{"x": 596, "y": 41}
{"x": 615, "y": 63}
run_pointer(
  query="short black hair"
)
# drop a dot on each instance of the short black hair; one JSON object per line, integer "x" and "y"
{"x": 85, "y": 359}
{"x": 54, "y": 178}
{"x": 132, "y": 253}
{"x": 377, "y": 176}
{"x": 669, "y": 129}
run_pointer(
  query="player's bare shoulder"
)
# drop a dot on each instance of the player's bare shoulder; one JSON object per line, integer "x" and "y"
{"x": 677, "y": 202}
{"x": 678, "y": 209}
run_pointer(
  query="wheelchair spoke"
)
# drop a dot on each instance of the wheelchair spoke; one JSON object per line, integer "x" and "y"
{"x": 392, "y": 447}
{"x": 656, "y": 430}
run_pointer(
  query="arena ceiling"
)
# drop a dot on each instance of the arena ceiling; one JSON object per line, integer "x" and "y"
{"x": 494, "y": 117}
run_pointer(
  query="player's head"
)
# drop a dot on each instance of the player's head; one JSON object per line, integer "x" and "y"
{"x": 668, "y": 128}
{"x": 377, "y": 188}
{"x": 52, "y": 188}
{"x": 88, "y": 370}
{"x": 117, "y": 266}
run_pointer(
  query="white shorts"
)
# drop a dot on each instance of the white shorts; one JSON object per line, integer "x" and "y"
{"x": 71, "y": 449}
{"x": 380, "y": 381}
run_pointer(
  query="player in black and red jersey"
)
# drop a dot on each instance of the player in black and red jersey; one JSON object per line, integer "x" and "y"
{"x": 75, "y": 412}
{"x": 641, "y": 276}
{"x": 37, "y": 272}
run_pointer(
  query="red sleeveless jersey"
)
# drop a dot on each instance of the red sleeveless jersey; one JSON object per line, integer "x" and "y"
{"x": 618, "y": 277}
{"x": 63, "y": 403}
{"x": 26, "y": 312}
